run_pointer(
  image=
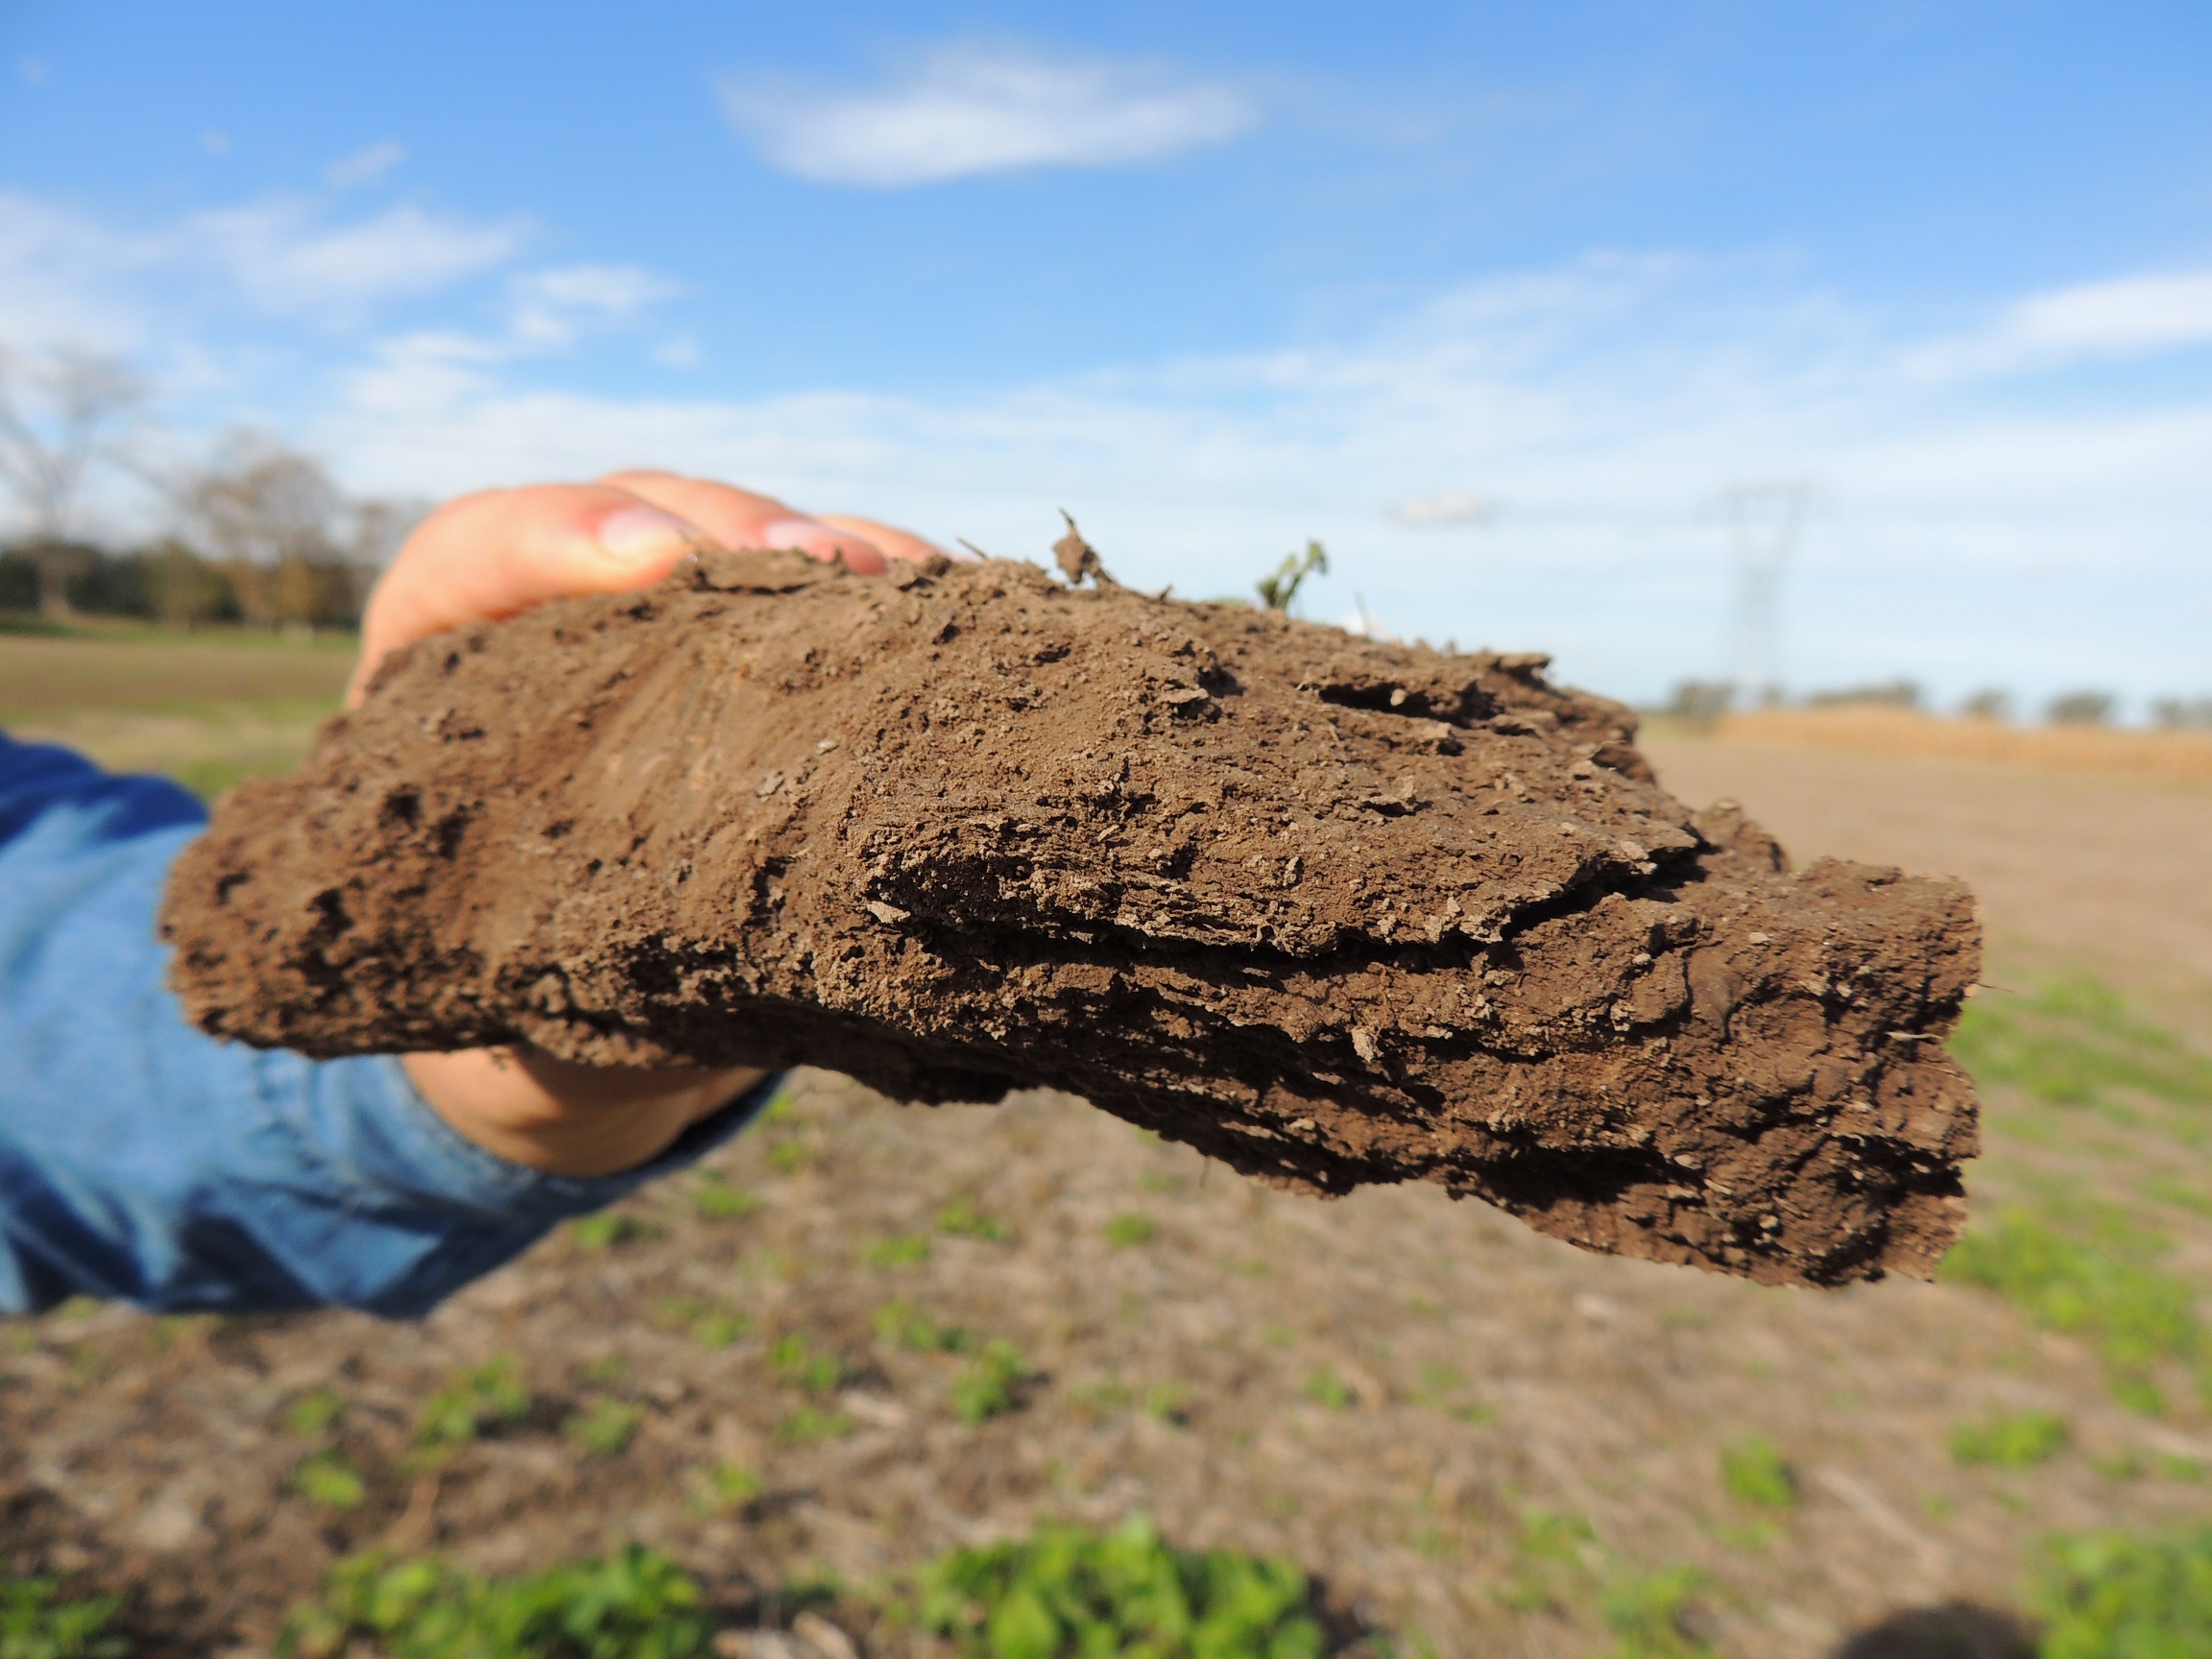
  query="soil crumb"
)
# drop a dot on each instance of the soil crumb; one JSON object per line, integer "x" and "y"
{"x": 1332, "y": 910}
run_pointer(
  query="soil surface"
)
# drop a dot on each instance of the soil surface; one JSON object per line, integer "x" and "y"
{"x": 1333, "y": 911}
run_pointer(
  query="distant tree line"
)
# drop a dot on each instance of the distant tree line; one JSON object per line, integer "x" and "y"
{"x": 1706, "y": 700}
{"x": 258, "y": 534}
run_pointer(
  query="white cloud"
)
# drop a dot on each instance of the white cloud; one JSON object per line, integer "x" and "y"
{"x": 365, "y": 165}
{"x": 2133, "y": 314}
{"x": 283, "y": 254}
{"x": 971, "y": 109}
{"x": 552, "y": 307}
{"x": 1448, "y": 507}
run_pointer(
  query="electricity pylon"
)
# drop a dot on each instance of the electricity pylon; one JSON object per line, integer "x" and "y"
{"x": 1763, "y": 522}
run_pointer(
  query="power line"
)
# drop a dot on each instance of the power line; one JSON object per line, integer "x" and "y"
{"x": 1763, "y": 522}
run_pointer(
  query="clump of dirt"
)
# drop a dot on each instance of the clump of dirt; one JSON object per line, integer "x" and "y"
{"x": 1332, "y": 910}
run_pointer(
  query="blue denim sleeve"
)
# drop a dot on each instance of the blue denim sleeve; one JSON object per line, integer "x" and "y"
{"x": 142, "y": 1160}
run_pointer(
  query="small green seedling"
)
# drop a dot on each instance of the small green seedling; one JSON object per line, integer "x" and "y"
{"x": 1651, "y": 1613}
{"x": 1553, "y": 1557}
{"x": 1168, "y": 1403}
{"x": 787, "y": 1156}
{"x": 715, "y": 1199}
{"x": 1130, "y": 1229}
{"x": 314, "y": 1413}
{"x": 2112, "y": 1594}
{"x": 1756, "y": 1474}
{"x": 962, "y": 1219}
{"x": 600, "y": 1370}
{"x": 606, "y": 1230}
{"x": 486, "y": 1397}
{"x": 1277, "y": 591}
{"x": 811, "y": 1423}
{"x": 720, "y": 1330}
{"x": 793, "y": 1360}
{"x": 907, "y": 1324}
{"x": 37, "y": 1623}
{"x": 326, "y": 1480}
{"x": 725, "y": 1488}
{"x": 898, "y": 1250}
{"x": 606, "y": 1427}
{"x": 1326, "y": 1388}
{"x": 2010, "y": 1442}
{"x": 990, "y": 1386}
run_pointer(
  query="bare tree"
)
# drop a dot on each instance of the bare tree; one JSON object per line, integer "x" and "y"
{"x": 297, "y": 551}
{"x": 55, "y": 423}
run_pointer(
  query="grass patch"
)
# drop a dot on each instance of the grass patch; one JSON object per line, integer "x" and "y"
{"x": 1064, "y": 1592}
{"x": 2090, "y": 1271}
{"x": 488, "y": 1397}
{"x": 2107, "y": 1595}
{"x": 314, "y": 1413}
{"x": 899, "y": 1250}
{"x": 797, "y": 1363}
{"x": 1130, "y": 1228}
{"x": 964, "y": 1220}
{"x": 902, "y": 1323}
{"x": 326, "y": 1480}
{"x": 991, "y": 1385}
{"x": 37, "y": 1622}
{"x": 724, "y": 1488}
{"x": 2075, "y": 1042}
{"x": 633, "y": 1606}
{"x": 2017, "y": 1441}
{"x": 606, "y": 1230}
{"x": 605, "y": 1428}
{"x": 811, "y": 1424}
{"x": 1653, "y": 1614}
{"x": 1756, "y": 1474}
{"x": 1325, "y": 1387}
{"x": 714, "y": 1199}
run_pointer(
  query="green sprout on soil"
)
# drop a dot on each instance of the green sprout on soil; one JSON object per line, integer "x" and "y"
{"x": 795, "y": 1362}
{"x": 1551, "y": 1555}
{"x": 1130, "y": 1228}
{"x": 37, "y": 1623}
{"x": 606, "y": 1230}
{"x": 715, "y": 1199}
{"x": 1277, "y": 591}
{"x": 1328, "y": 1390}
{"x": 811, "y": 1423}
{"x": 1756, "y": 1474}
{"x": 724, "y": 1489}
{"x": 1064, "y": 1592}
{"x": 314, "y": 1413}
{"x": 600, "y": 1370}
{"x": 898, "y": 1250}
{"x": 990, "y": 1386}
{"x": 1168, "y": 1403}
{"x": 1653, "y": 1614}
{"x": 326, "y": 1480}
{"x": 606, "y": 1427}
{"x": 486, "y": 1397}
{"x": 2010, "y": 1442}
{"x": 787, "y": 1156}
{"x": 964, "y": 1220}
{"x": 907, "y": 1324}
{"x": 719, "y": 1329}
{"x": 633, "y": 1606}
{"x": 2108, "y": 1596}
{"x": 2089, "y": 1271}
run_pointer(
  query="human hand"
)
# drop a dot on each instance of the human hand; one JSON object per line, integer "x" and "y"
{"x": 483, "y": 557}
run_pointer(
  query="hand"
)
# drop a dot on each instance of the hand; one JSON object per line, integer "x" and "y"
{"x": 492, "y": 555}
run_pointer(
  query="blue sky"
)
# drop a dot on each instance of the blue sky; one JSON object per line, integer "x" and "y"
{"x": 1500, "y": 301}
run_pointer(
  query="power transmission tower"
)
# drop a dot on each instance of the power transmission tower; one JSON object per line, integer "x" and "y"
{"x": 1763, "y": 521}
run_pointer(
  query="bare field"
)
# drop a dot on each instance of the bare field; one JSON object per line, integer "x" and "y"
{"x": 2166, "y": 757}
{"x": 1474, "y": 1436}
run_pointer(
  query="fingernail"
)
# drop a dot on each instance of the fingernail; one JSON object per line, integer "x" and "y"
{"x": 635, "y": 535}
{"x": 810, "y": 536}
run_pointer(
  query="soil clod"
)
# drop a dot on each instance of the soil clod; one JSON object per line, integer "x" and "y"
{"x": 1332, "y": 910}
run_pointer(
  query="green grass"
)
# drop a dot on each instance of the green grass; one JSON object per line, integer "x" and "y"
{"x": 314, "y": 1413}
{"x": 2091, "y": 1271}
{"x": 490, "y": 1395}
{"x": 991, "y": 1385}
{"x": 37, "y": 1622}
{"x": 1064, "y": 1592}
{"x": 1325, "y": 1387}
{"x": 796, "y": 1362}
{"x": 2011, "y": 1441}
{"x": 633, "y": 1605}
{"x": 724, "y": 1488}
{"x": 899, "y": 1250}
{"x": 2108, "y": 1596}
{"x": 606, "y": 1230}
{"x": 1649, "y": 1615}
{"x": 326, "y": 1480}
{"x": 605, "y": 1428}
{"x": 902, "y": 1323}
{"x": 1130, "y": 1229}
{"x": 2075, "y": 1042}
{"x": 811, "y": 1423}
{"x": 715, "y": 1199}
{"x": 964, "y": 1220}
{"x": 1756, "y": 1474}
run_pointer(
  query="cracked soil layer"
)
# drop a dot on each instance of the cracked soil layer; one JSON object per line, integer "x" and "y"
{"x": 1332, "y": 910}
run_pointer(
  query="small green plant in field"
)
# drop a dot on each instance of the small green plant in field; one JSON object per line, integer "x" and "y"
{"x": 605, "y": 1428}
{"x": 486, "y": 1397}
{"x": 715, "y": 1199}
{"x": 793, "y": 1360}
{"x": 964, "y": 1220}
{"x": 633, "y": 1606}
{"x": 1168, "y": 1403}
{"x": 724, "y": 1489}
{"x": 720, "y": 1329}
{"x": 1328, "y": 1390}
{"x": 1555, "y": 1557}
{"x": 2010, "y": 1442}
{"x": 314, "y": 1413}
{"x": 901, "y": 1322}
{"x": 2074, "y": 1042}
{"x": 1130, "y": 1228}
{"x": 37, "y": 1623}
{"x": 811, "y": 1423}
{"x": 326, "y": 1480}
{"x": 1756, "y": 1474}
{"x": 1064, "y": 1593}
{"x": 601, "y": 1369}
{"x": 898, "y": 1250}
{"x": 1277, "y": 591}
{"x": 787, "y": 1155}
{"x": 991, "y": 1385}
{"x": 607, "y": 1229}
{"x": 2109, "y": 1596}
{"x": 2090, "y": 1271}
{"x": 1650, "y": 1614}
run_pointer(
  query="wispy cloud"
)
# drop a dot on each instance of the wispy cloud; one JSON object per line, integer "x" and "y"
{"x": 284, "y": 254}
{"x": 2130, "y": 315}
{"x": 552, "y": 307}
{"x": 365, "y": 165}
{"x": 969, "y": 110}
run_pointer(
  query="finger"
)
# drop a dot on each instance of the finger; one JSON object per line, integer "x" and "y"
{"x": 893, "y": 541}
{"x": 739, "y": 518}
{"x": 491, "y": 555}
